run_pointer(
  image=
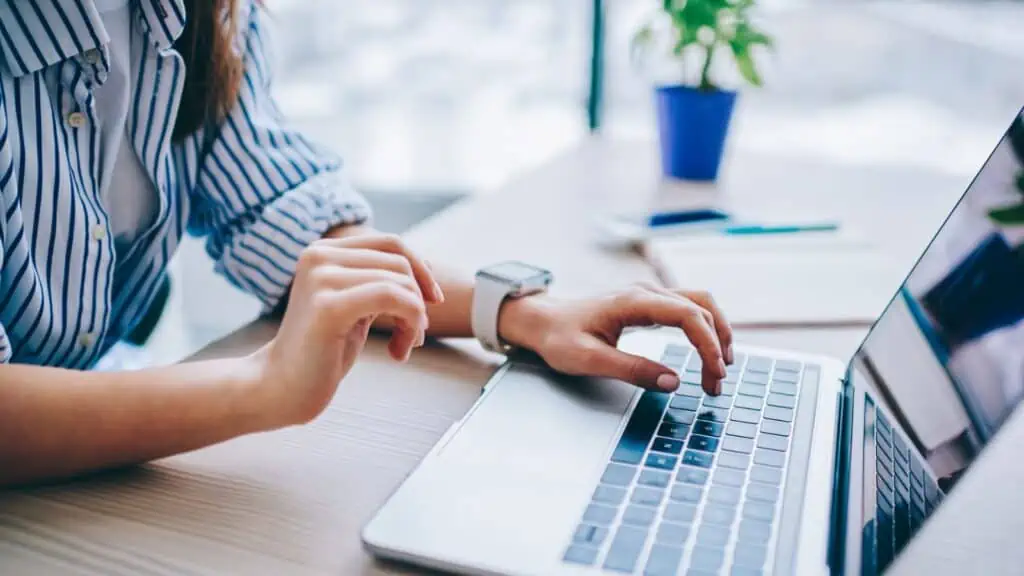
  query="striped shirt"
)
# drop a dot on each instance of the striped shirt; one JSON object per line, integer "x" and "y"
{"x": 257, "y": 190}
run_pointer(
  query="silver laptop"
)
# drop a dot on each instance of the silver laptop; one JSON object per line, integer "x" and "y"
{"x": 802, "y": 465}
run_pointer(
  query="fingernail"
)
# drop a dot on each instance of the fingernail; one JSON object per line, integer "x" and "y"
{"x": 667, "y": 382}
{"x": 722, "y": 369}
{"x": 438, "y": 293}
{"x": 421, "y": 339}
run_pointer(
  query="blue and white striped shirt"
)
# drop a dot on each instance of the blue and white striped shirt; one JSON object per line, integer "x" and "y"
{"x": 256, "y": 189}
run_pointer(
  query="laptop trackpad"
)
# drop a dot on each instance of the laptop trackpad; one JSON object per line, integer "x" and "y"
{"x": 542, "y": 424}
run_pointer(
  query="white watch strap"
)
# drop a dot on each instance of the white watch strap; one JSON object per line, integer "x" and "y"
{"x": 488, "y": 295}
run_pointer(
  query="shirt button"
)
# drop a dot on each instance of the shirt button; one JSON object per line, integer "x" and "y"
{"x": 87, "y": 339}
{"x": 99, "y": 232}
{"x": 92, "y": 56}
{"x": 76, "y": 119}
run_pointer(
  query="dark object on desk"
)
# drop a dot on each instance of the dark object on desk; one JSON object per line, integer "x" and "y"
{"x": 983, "y": 293}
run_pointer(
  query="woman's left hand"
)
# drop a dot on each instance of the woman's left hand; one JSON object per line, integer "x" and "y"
{"x": 579, "y": 337}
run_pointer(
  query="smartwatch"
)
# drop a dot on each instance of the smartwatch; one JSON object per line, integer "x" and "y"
{"x": 495, "y": 284}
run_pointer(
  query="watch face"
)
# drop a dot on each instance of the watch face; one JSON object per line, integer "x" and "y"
{"x": 514, "y": 272}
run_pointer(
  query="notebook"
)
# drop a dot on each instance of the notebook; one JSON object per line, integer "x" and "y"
{"x": 805, "y": 279}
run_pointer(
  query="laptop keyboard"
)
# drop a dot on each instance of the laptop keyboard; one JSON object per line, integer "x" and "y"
{"x": 693, "y": 486}
{"x": 906, "y": 494}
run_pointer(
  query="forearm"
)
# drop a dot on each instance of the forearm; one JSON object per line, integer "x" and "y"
{"x": 56, "y": 423}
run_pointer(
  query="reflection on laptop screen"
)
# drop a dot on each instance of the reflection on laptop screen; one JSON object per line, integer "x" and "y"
{"x": 947, "y": 354}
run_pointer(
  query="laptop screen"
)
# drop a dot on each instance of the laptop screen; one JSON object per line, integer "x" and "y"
{"x": 947, "y": 355}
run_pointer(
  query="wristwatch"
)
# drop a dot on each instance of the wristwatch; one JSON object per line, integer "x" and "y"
{"x": 494, "y": 285}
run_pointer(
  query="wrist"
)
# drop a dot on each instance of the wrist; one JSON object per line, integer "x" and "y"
{"x": 523, "y": 322}
{"x": 250, "y": 380}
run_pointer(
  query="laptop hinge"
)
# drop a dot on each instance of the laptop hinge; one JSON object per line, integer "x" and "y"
{"x": 841, "y": 478}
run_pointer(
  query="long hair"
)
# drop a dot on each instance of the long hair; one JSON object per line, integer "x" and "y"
{"x": 213, "y": 69}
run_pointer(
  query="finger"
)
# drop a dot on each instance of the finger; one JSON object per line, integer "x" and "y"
{"x": 393, "y": 244}
{"x": 355, "y": 340}
{"x": 364, "y": 258}
{"x": 644, "y": 307}
{"x": 706, "y": 300}
{"x": 343, "y": 308}
{"x": 606, "y": 360}
{"x": 402, "y": 342}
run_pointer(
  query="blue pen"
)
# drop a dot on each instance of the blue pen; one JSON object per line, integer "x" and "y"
{"x": 782, "y": 229}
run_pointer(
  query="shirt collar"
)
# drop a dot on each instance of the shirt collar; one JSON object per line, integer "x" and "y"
{"x": 39, "y": 33}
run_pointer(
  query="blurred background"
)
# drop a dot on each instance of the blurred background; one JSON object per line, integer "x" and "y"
{"x": 433, "y": 101}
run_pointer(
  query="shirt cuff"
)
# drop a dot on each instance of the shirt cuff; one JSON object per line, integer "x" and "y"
{"x": 262, "y": 257}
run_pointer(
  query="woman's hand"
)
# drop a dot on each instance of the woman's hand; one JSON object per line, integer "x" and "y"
{"x": 341, "y": 287}
{"x": 579, "y": 337}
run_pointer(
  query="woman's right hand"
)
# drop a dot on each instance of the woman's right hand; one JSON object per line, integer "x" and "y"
{"x": 341, "y": 286}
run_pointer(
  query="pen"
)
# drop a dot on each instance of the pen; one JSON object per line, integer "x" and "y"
{"x": 781, "y": 229}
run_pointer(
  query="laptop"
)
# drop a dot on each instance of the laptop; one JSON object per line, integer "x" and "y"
{"x": 803, "y": 464}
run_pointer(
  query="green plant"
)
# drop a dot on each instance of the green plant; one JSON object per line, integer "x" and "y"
{"x": 709, "y": 26}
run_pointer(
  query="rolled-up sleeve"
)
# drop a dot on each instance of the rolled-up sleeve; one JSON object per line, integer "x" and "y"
{"x": 263, "y": 192}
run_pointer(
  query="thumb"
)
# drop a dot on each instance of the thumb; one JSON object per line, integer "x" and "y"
{"x": 605, "y": 360}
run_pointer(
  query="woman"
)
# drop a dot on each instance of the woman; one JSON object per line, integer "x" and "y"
{"x": 121, "y": 123}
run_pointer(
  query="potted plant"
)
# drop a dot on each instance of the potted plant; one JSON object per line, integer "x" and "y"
{"x": 694, "y": 114}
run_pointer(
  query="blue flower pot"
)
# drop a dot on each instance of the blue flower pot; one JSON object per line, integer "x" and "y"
{"x": 692, "y": 127}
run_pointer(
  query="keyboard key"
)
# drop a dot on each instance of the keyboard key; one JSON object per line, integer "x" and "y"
{"x": 657, "y": 478}
{"x": 749, "y": 402}
{"x": 673, "y": 430}
{"x": 773, "y": 442}
{"x": 694, "y": 365}
{"x": 717, "y": 401}
{"x": 729, "y": 477}
{"x": 577, "y": 554}
{"x": 625, "y": 549}
{"x": 705, "y": 443}
{"x": 663, "y": 561}
{"x": 741, "y": 429}
{"x": 759, "y": 364}
{"x": 766, "y": 475}
{"x": 680, "y": 512}
{"x": 755, "y": 378}
{"x": 618, "y": 475}
{"x": 681, "y": 350}
{"x": 744, "y": 571}
{"x": 713, "y": 414}
{"x": 606, "y": 494}
{"x": 713, "y": 536}
{"x": 749, "y": 555}
{"x": 703, "y": 558}
{"x": 707, "y": 428}
{"x": 663, "y": 461}
{"x": 685, "y": 403}
{"x": 691, "y": 475}
{"x": 639, "y": 515}
{"x": 787, "y": 366}
{"x": 900, "y": 447}
{"x": 769, "y": 458}
{"x": 758, "y": 510}
{"x": 783, "y": 388}
{"x": 590, "y": 534}
{"x": 886, "y": 492}
{"x": 780, "y": 414}
{"x": 728, "y": 388}
{"x": 672, "y": 534}
{"x": 916, "y": 471}
{"x": 762, "y": 492}
{"x": 691, "y": 390}
{"x": 699, "y": 459}
{"x": 734, "y": 460}
{"x": 599, "y": 514}
{"x": 646, "y": 495}
{"x": 786, "y": 377}
{"x": 744, "y": 415}
{"x": 693, "y": 379}
{"x": 724, "y": 495}
{"x": 754, "y": 531}
{"x": 776, "y": 427}
{"x": 686, "y": 493}
{"x": 721, "y": 514}
{"x": 781, "y": 400}
{"x": 757, "y": 390}
{"x": 737, "y": 444}
{"x": 673, "y": 416}
{"x": 640, "y": 428}
{"x": 883, "y": 423}
{"x": 667, "y": 445}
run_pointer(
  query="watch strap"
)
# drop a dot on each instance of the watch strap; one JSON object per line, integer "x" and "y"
{"x": 488, "y": 296}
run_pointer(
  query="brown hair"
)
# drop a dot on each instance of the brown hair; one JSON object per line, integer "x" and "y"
{"x": 213, "y": 69}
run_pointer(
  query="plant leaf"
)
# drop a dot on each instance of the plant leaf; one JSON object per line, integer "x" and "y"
{"x": 745, "y": 63}
{"x": 747, "y": 34}
{"x": 1008, "y": 216}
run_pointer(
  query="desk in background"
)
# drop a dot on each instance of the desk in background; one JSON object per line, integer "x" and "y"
{"x": 294, "y": 501}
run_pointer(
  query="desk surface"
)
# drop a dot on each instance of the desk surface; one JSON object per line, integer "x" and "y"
{"x": 293, "y": 501}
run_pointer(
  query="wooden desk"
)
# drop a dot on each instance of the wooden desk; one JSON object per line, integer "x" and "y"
{"x": 293, "y": 502}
